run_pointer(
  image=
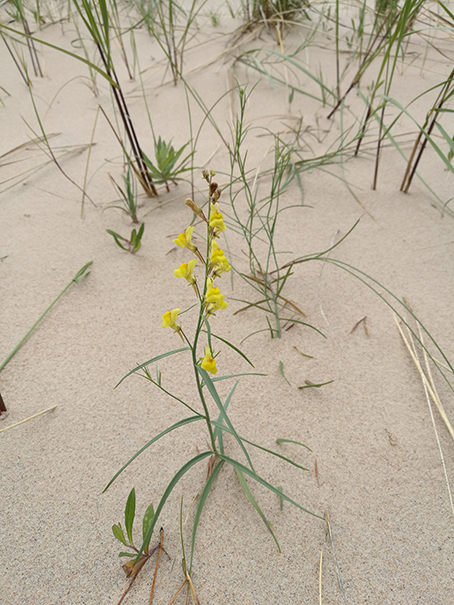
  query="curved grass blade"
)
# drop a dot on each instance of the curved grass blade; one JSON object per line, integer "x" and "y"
{"x": 262, "y": 481}
{"x": 146, "y": 363}
{"x": 167, "y": 430}
{"x": 292, "y": 441}
{"x": 254, "y": 503}
{"x": 229, "y": 344}
{"x": 357, "y": 273}
{"x": 201, "y": 504}
{"x": 184, "y": 469}
{"x": 315, "y": 386}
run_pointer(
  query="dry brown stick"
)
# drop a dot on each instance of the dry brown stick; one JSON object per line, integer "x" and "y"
{"x": 133, "y": 579}
{"x": 408, "y": 177}
{"x": 377, "y": 157}
{"x": 178, "y": 592}
{"x": 156, "y": 568}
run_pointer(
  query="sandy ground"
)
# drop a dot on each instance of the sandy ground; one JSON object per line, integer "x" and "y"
{"x": 375, "y": 463}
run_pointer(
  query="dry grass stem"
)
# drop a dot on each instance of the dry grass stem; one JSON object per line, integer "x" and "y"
{"x": 426, "y": 382}
{"x": 339, "y": 579}
{"x": 27, "y": 419}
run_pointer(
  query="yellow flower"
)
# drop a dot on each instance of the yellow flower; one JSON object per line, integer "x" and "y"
{"x": 185, "y": 270}
{"x": 169, "y": 320}
{"x": 216, "y": 220}
{"x": 208, "y": 363}
{"x": 216, "y": 300}
{"x": 213, "y": 295}
{"x": 218, "y": 259}
{"x": 184, "y": 240}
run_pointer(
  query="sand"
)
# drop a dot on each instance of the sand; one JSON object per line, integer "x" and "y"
{"x": 374, "y": 463}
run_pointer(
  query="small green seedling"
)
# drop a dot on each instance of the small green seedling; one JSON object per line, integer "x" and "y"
{"x": 133, "y": 566}
{"x": 167, "y": 168}
{"x": 128, "y": 195}
{"x": 133, "y": 244}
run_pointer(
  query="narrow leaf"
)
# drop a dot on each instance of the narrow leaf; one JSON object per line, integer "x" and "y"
{"x": 281, "y": 370}
{"x": 167, "y": 430}
{"x": 262, "y": 481}
{"x": 118, "y": 533}
{"x": 254, "y": 503}
{"x": 311, "y": 385}
{"x": 147, "y": 521}
{"x": 146, "y": 363}
{"x": 202, "y": 500}
{"x": 184, "y": 469}
{"x": 292, "y": 441}
{"x": 130, "y": 512}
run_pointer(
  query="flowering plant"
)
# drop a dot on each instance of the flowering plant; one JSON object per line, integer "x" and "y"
{"x": 210, "y": 301}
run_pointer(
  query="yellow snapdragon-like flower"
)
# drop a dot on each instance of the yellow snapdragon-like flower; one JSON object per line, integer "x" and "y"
{"x": 208, "y": 363}
{"x": 184, "y": 240}
{"x": 215, "y": 300}
{"x": 218, "y": 259}
{"x": 216, "y": 220}
{"x": 185, "y": 270}
{"x": 169, "y": 320}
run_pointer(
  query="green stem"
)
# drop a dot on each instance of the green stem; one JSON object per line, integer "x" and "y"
{"x": 75, "y": 279}
{"x": 197, "y": 333}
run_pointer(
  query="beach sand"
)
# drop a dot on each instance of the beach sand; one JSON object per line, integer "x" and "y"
{"x": 374, "y": 463}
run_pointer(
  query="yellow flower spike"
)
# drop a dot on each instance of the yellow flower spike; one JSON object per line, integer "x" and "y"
{"x": 185, "y": 270}
{"x": 184, "y": 240}
{"x": 208, "y": 363}
{"x": 216, "y": 220}
{"x": 169, "y": 320}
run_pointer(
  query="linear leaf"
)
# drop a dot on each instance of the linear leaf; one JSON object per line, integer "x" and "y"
{"x": 167, "y": 430}
{"x": 202, "y": 500}
{"x": 130, "y": 512}
{"x": 146, "y": 363}
{"x": 254, "y": 503}
{"x": 184, "y": 469}
{"x": 262, "y": 481}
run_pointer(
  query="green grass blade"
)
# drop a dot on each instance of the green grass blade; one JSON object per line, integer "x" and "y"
{"x": 184, "y": 469}
{"x": 292, "y": 441}
{"x": 202, "y": 500}
{"x": 253, "y": 474}
{"x": 167, "y": 430}
{"x": 254, "y": 503}
{"x": 260, "y": 447}
{"x": 229, "y": 344}
{"x": 146, "y": 363}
